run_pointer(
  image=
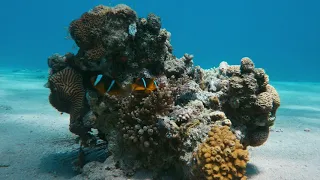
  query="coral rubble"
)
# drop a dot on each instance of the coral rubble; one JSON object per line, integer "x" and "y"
{"x": 199, "y": 122}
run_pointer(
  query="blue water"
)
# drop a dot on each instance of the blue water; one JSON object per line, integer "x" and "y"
{"x": 280, "y": 36}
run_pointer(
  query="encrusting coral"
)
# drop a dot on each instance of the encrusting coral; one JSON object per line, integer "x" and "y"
{"x": 169, "y": 112}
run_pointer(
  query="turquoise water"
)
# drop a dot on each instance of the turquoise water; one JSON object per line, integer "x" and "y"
{"x": 280, "y": 36}
{"x": 301, "y": 104}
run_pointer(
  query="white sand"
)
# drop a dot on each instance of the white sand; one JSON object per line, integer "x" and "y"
{"x": 36, "y": 144}
{"x": 34, "y": 137}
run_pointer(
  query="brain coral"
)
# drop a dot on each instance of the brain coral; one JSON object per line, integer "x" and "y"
{"x": 67, "y": 93}
{"x": 275, "y": 97}
{"x": 221, "y": 156}
{"x": 264, "y": 102}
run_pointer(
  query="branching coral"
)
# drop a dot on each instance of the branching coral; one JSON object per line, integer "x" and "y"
{"x": 139, "y": 123}
{"x": 221, "y": 156}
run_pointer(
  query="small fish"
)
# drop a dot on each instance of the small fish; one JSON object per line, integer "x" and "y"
{"x": 104, "y": 84}
{"x": 146, "y": 85}
{"x": 4, "y": 165}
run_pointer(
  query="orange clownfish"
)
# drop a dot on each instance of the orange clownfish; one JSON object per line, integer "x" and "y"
{"x": 146, "y": 85}
{"x": 104, "y": 84}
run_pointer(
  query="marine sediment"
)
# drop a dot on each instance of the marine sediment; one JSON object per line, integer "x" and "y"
{"x": 164, "y": 112}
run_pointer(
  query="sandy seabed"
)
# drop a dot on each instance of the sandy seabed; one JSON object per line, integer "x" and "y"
{"x": 35, "y": 142}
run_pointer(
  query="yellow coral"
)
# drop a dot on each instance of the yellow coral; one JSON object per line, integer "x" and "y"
{"x": 221, "y": 156}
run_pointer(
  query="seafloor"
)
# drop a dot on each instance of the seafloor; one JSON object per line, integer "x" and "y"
{"x": 35, "y": 142}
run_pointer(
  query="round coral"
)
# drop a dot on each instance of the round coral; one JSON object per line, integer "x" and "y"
{"x": 221, "y": 156}
{"x": 247, "y": 65}
{"x": 83, "y": 31}
{"x": 258, "y": 136}
{"x": 264, "y": 102}
{"x": 275, "y": 97}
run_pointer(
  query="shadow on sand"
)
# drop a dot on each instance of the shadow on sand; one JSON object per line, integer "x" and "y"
{"x": 59, "y": 164}
{"x": 67, "y": 164}
{"x": 252, "y": 170}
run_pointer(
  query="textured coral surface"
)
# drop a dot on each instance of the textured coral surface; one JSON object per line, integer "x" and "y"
{"x": 221, "y": 155}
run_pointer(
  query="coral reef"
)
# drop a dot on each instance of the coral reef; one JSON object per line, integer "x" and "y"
{"x": 169, "y": 112}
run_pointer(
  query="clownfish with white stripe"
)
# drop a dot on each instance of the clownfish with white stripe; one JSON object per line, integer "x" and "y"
{"x": 145, "y": 85}
{"x": 104, "y": 84}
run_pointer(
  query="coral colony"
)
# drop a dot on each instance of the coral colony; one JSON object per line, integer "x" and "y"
{"x": 156, "y": 111}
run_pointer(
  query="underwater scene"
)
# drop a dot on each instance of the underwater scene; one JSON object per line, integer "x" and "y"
{"x": 160, "y": 90}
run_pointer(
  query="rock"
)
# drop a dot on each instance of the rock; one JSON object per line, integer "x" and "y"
{"x": 307, "y": 130}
